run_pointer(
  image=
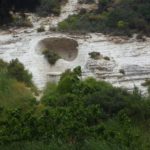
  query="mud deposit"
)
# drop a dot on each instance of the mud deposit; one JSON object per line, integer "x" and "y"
{"x": 66, "y": 48}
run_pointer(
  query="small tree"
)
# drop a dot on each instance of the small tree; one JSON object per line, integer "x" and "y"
{"x": 121, "y": 24}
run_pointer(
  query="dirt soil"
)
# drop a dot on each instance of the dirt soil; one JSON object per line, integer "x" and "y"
{"x": 66, "y": 48}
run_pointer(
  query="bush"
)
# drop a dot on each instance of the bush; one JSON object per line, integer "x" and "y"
{"x": 21, "y": 21}
{"x": 122, "y": 71}
{"x": 17, "y": 71}
{"x": 115, "y": 17}
{"x": 42, "y": 7}
{"x": 51, "y": 56}
{"x": 95, "y": 55}
{"x": 49, "y": 7}
{"x": 41, "y": 29}
{"x": 106, "y": 58}
{"x": 78, "y": 114}
{"x": 13, "y": 92}
{"x": 3, "y": 66}
{"x": 121, "y": 24}
{"x": 146, "y": 83}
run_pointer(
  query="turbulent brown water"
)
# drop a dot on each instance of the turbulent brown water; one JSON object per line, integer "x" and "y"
{"x": 129, "y": 55}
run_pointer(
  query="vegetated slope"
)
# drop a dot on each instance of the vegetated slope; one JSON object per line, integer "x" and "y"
{"x": 15, "y": 86}
{"x": 122, "y": 17}
{"x": 72, "y": 114}
{"x": 41, "y": 7}
{"x": 77, "y": 114}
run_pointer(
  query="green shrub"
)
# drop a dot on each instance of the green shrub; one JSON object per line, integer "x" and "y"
{"x": 41, "y": 29}
{"x": 21, "y": 21}
{"x": 17, "y": 71}
{"x": 115, "y": 17}
{"x": 51, "y": 56}
{"x": 122, "y": 71}
{"x": 121, "y": 24}
{"x": 95, "y": 55}
{"x": 146, "y": 83}
{"x": 3, "y": 66}
{"x": 49, "y": 7}
{"x": 14, "y": 92}
{"x": 78, "y": 114}
{"x": 106, "y": 58}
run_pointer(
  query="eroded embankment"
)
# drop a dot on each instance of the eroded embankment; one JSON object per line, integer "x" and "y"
{"x": 66, "y": 48}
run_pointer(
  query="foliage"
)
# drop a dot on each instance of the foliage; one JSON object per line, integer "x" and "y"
{"x": 41, "y": 29}
{"x": 95, "y": 55}
{"x": 79, "y": 114}
{"x": 13, "y": 89}
{"x": 51, "y": 56}
{"x": 112, "y": 16}
{"x": 42, "y": 7}
{"x": 16, "y": 70}
{"x": 14, "y": 94}
{"x": 21, "y": 21}
{"x": 146, "y": 83}
{"x": 106, "y": 58}
{"x": 122, "y": 71}
{"x": 49, "y": 6}
{"x": 86, "y": 1}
